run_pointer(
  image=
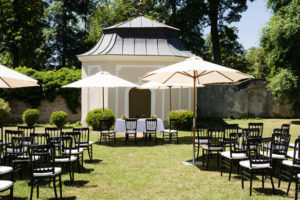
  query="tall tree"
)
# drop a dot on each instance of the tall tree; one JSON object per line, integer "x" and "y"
{"x": 219, "y": 13}
{"x": 20, "y": 30}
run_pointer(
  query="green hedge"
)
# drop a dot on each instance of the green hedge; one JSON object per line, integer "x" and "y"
{"x": 93, "y": 117}
{"x": 184, "y": 119}
{"x": 4, "y": 112}
{"x": 50, "y": 86}
{"x": 31, "y": 116}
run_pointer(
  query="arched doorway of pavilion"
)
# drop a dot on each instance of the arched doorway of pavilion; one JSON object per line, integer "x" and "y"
{"x": 139, "y": 103}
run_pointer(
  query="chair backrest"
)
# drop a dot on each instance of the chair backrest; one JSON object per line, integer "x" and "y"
{"x": 40, "y": 138}
{"x": 234, "y": 147}
{"x": 280, "y": 143}
{"x": 172, "y": 124}
{"x": 254, "y": 149}
{"x": 260, "y": 126}
{"x": 45, "y": 162}
{"x": 215, "y": 137}
{"x": 66, "y": 146}
{"x": 53, "y": 131}
{"x": 151, "y": 124}
{"x": 75, "y": 135}
{"x": 230, "y": 129}
{"x": 285, "y": 128}
{"x": 28, "y": 130}
{"x": 103, "y": 125}
{"x": 84, "y": 134}
{"x": 19, "y": 145}
{"x": 296, "y": 157}
{"x": 9, "y": 134}
{"x": 201, "y": 133}
{"x": 131, "y": 124}
{"x": 1, "y": 132}
{"x": 249, "y": 133}
{"x": 277, "y": 131}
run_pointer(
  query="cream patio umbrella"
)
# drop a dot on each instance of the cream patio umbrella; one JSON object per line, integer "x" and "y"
{"x": 102, "y": 80}
{"x": 160, "y": 86}
{"x": 11, "y": 79}
{"x": 195, "y": 71}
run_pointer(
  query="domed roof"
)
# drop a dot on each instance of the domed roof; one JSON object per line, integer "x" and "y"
{"x": 139, "y": 37}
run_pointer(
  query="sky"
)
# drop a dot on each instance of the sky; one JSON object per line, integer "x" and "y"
{"x": 253, "y": 20}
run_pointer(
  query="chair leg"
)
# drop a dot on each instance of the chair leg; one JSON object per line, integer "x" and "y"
{"x": 251, "y": 177}
{"x": 290, "y": 181}
{"x": 38, "y": 191}
{"x": 296, "y": 194}
{"x": 54, "y": 186}
{"x": 272, "y": 182}
{"x": 230, "y": 170}
{"x": 60, "y": 187}
{"x": 207, "y": 159}
{"x": 242, "y": 178}
{"x": 222, "y": 166}
{"x": 263, "y": 179}
{"x": 31, "y": 191}
{"x": 11, "y": 196}
{"x": 202, "y": 157}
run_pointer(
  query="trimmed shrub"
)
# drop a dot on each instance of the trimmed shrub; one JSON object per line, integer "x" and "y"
{"x": 184, "y": 119}
{"x": 95, "y": 115}
{"x": 59, "y": 118}
{"x": 4, "y": 112}
{"x": 30, "y": 116}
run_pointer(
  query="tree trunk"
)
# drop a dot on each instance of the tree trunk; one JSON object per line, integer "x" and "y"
{"x": 173, "y": 6}
{"x": 64, "y": 41}
{"x": 213, "y": 17}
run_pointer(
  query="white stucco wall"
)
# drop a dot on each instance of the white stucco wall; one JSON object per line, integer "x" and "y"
{"x": 132, "y": 69}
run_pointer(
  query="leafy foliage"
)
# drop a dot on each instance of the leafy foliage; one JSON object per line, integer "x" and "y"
{"x": 50, "y": 86}
{"x": 59, "y": 118}
{"x": 31, "y": 116}
{"x": 283, "y": 84}
{"x": 4, "y": 112}
{"x": 93, "y": 118}
{"x": 184, "y": 119}
{"x": 257, "y": 64}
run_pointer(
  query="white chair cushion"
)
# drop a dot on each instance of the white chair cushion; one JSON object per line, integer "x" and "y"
{"x": 291, "y": 154}
{"x": 73, "y": 151}
{"x": 107, "y": 131}
{"x": 298, "y": 176}
{"x": 10, "y": 150}
{"x": 4, "y": 185}
{"x": 246, "y": 164}
{"x": 205, "y": 147}
{"x": 85, "y": 144}
{"x": 201, "y": 141}
{"x": 274, "y": 155}
{"x": 170, "y": 131}
{"x": 289, "y": 163}
{"x": 130, "y": 132}
{"x": 57, "y": 171}
{"x": 235, "y": 156}
{"x": 5, "y": 169}
{"x": 64, "y": 160}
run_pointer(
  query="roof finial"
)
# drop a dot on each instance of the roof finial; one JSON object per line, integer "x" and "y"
{"x": 141, "y": 8}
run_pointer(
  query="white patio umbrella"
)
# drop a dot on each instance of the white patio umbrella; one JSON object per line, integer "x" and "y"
{"x": 102, "y": 80}
{"x": 11, "y": 79}
{"x": 160, "y": 86}
{"x": 195, "y": 71}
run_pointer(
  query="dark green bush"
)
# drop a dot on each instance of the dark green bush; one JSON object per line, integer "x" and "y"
{"x": 59, "y": 118}
{"x": 31, "y": 116}
{"x": 95, "y": 115}
{"x": 184, "y": 119}
{"x": 4, "y": 112}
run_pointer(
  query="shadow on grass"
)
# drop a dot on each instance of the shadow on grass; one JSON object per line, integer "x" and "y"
{"x": 85, "y": 171}
{"x": 76, "y": 183}
{"x": 15, "y": 198}
{"x": 65, "y": 198}
{"x": 94, "y": 161}
{"x": 295, "y": 122}
{"x": 269, "y": 191}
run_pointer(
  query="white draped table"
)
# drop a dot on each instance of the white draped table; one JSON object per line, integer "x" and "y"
{"x": 141, "y": 125}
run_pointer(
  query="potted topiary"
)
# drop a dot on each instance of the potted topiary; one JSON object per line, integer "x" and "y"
{"x": 59, "y": 118}
{"x": 93, "y": 118}
{"x": 31, "y": 116}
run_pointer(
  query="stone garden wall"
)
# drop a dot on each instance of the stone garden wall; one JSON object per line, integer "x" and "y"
{"x": 46, "y": 108}
{"x": 247, "y": 99}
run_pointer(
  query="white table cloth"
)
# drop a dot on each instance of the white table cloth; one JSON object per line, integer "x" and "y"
{"x": 141, "y": 125}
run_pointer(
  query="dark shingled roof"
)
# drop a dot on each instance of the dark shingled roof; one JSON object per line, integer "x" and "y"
{"x": 140, "y": 37}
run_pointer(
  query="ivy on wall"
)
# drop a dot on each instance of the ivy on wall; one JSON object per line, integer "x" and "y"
{"x": 51, "y": 83}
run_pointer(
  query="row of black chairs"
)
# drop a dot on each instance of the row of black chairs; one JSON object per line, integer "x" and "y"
{"x": 107, "y": 135}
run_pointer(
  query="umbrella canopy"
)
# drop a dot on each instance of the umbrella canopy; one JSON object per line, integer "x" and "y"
{"x": 156, "y": 85}
{"x": 102, "y": 80}
{"x": 195, "y": 71}
{"x": 12, "y": 79}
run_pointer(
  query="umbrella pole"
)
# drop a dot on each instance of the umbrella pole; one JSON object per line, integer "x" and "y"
{"x": 194, "y": 118}
{"x": 170, "y": 94}
{"x": 102, "y": 102}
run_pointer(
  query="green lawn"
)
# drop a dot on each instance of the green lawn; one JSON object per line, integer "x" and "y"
{"x": 157, "y": 172}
